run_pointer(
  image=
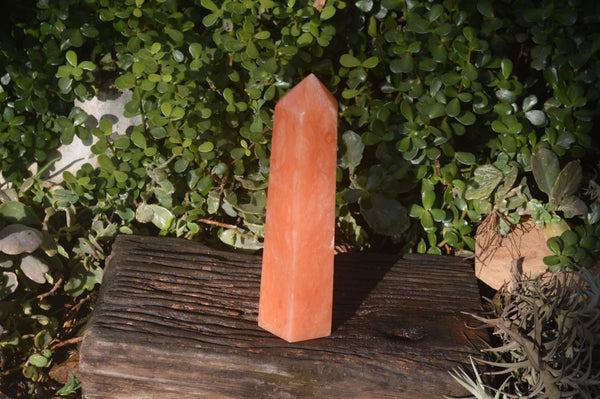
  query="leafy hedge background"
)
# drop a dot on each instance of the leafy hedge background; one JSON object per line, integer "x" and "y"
{"x": 441, "y": 106}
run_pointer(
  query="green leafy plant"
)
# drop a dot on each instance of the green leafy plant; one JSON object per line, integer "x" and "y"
{"x": 441, "y": 106}
{"x": 42, "y": 286}
{"x": 70, "y": 388}
{"x": 560, "y": 185}
{"x": 438, "y": 112}
{"x": 573, "y": 248}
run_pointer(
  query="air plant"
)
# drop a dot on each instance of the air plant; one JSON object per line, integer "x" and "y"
{"x": 549, "y": 329}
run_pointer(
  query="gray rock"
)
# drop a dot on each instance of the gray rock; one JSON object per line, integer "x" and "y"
{"x": 110, "y": 104}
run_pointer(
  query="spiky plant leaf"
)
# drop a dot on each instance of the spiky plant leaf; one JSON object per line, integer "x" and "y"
{"x": 548, "y": 328}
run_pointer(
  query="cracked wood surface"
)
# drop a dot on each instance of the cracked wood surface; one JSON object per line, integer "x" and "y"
{"x": 176, "y": 319}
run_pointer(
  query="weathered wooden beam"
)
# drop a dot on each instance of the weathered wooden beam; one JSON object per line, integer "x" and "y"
{"x": 176, "y": 319}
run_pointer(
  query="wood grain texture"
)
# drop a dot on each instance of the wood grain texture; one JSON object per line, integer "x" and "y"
{"x": 176, "y": 319}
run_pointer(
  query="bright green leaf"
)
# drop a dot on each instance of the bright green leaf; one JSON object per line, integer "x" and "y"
{"x": 125, "y": 81}
{"x": 106, "y": 163}
{"x": 139, "y": 139}
{"x": 72, "y": 58}
{"x": 327, "y": 12}
{"x": 39, "y": 360}
{"x": 428, "y": 199}
{"x": 350, "y": 93}
{"x": 64, "y": 71}
{"x": 120, "y": 176}
{"x": 162, "y": 217}
{"x": 209, "y": 5}
{"x": 166, "y": 109}
{"x": 506, "y": 66}
{"x": 195, "y": 50}
{"x": 261, "y": 35}
{"x": 155, "y": 48}
{"x": 87, "y": 65}
{"x": 370, "y": 62}
{"x": 349, "y": 61}
{"x": 64, "y": 84}
{"x": 210, "y": 20}
{"x": 228, "y": 95}
{"x": 207, "y": 146}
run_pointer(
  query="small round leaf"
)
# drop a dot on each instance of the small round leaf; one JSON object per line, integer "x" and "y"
{"x": 536, "y": 117}
{"x": 34, "y": 268}
{"x": 17, "y": 238}
{"x": 72, "y": 58}
{"x": 349, "y": 61}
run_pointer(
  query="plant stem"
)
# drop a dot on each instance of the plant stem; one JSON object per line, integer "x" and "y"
{"x": 69, "y": 341}
{"x": 142, "y": 113}
{"x": 214, "y": 223}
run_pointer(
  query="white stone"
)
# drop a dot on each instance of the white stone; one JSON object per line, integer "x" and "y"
{"x": 109, "y": 103}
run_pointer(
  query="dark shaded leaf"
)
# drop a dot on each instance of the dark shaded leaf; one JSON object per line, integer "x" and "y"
{"x": 545, "y": 168}
{"x": 386, "y": 216}
{"x": 567, "y": 182}
{"x": 572, "y": 206}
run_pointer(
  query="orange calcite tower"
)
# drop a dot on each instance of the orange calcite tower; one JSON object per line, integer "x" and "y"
{"x": 296, "y": 290}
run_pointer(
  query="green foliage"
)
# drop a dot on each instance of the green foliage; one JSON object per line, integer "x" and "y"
{"x": 45, "y": 276}
{"x": 70, "y": 388}
{"x": 573, "y": 248}
{"x": 429, "y": 99}
{"x": 441, "y": 106}
{"x": 559, "y": 185}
